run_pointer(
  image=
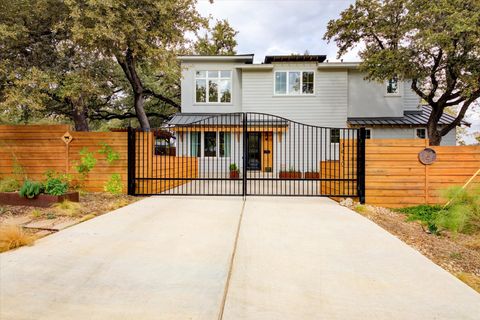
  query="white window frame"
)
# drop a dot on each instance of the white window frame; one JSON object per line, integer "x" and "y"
{"x": 420, "y": 128}
{"x": 217, "y": 146}
{"x": 218, "y": 102}
{"x": 301, "y": 94}
{"x": 371, "y": 133}
{"x": 393, "y": 94}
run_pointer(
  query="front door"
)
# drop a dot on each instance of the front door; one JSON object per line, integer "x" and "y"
{"x": 253, "y": 151}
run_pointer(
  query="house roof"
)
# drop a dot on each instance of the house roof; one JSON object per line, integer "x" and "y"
{"x": 246, "y": 58}
{"x": 295, "y": 58}
{"x": 410, "y": 118}
{"x": 225, "y": 119}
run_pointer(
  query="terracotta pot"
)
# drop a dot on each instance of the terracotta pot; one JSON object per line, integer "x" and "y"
{"x": 312, "y": 175}
{"x": 234, "y": 174}
{"x": 42, "y": 200}
{"x": 290, "y": 175}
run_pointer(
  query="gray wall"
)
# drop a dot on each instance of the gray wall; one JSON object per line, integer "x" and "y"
{"x": 408, "y": 133}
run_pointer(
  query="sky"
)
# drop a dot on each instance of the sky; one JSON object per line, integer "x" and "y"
{"x": 268, "y": 27}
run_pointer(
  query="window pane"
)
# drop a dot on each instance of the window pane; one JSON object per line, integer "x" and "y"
{"x": 210, "y": 144}
{"x": 195, "y": 144}
{"x": 201, "y": 90}
{"x": 294, "y": 82}
{"x": 307, "y": 79}
{"x": 213, "y": 74}
{"x": 225, "y": 90}
{"x": 421, "y": 133}
{"x": 212, "y": 90}
{"x": 226, "y": 74}
{"x": 368, "y": 134}
{"x": 392, "y": 86}
{"x": 200, "y": 74}
{"x": 225, "y": 144}
{"x": 280, "y": 82}
{"x": 334, "y": 135}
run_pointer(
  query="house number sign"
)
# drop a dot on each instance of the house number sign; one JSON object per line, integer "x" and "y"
{"x": 427, "y": 156}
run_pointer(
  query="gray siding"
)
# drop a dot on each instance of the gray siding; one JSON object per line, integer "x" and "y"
{"x": 368, "y": 98}
{"x": 327, "y": 107}
{"x": 411, "y": 101}
{"x": 408, "y": 133}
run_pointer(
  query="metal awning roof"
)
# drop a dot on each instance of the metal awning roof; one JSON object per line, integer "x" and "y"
{"x": 410, "y": 118}
{"x": 225, "y": 119}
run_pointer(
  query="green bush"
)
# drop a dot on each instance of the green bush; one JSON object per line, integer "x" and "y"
{"x": 9, "y": 185}
{"x": 110, "y": 154}
{"x": 56, "y": 184}
{"x": 114, "y": 185}
{"x": 233, "y": 167}
{"x": 87, "y": 162}
{"x": 30, "y": 189}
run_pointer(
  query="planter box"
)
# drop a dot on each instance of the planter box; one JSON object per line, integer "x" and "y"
{"x": 290, "y": 175}
{"x": 234, "y": 174}
{"x": 42, "y": 200}
{"x": 312, "y": 175}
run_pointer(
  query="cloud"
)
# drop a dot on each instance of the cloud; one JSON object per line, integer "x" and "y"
{"x": 279, "y": 27}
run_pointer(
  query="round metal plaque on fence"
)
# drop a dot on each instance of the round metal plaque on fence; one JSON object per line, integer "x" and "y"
{"x": 427, "y": 156}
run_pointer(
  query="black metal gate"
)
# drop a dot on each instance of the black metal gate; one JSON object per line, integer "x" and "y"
{"x": 240, "y": 154}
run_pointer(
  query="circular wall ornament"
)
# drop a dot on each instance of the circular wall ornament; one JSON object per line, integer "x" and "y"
{"x": 427, "y": 156}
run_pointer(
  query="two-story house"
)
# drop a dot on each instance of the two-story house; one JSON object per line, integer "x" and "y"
{"x": 304, "y": 89}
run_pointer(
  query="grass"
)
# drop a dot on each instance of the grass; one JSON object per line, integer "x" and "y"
{"x": 9, "y": 185}
{"x": 67, "y": 208}
{"x": 87, "y": 217}
{"x": 119, "y": 203}
{"x": 470, "y": 279}
{"x": 12, "y": 237}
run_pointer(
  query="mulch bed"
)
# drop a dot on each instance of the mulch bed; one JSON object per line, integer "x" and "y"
{"x": 456, "y": 253}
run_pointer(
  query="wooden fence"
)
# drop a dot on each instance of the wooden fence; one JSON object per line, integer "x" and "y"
{"x": 396, "y": 178}
{"x": 35, "y": 149}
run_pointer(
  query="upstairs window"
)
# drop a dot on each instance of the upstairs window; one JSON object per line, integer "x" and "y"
{"x": 392, "y": 87}
{"x": 213, "y": 86}
{"x": 294, "y": 82}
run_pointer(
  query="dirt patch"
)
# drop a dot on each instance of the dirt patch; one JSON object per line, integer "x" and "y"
{"x": 43, "y": 221}
{"x": 457, "y": 253}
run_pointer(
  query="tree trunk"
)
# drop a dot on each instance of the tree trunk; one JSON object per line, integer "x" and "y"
{"x": 434, "y": 135}
{"x": 128, "y": 66}
{"x": 79, "y": 116}
{"x": 138, "y": 102}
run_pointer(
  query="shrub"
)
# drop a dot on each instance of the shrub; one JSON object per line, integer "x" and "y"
{"x": 67, "y": 208}
{"x": 56, "y": 184}
{"x": 30, "y": 189}
{"x": 463, "y": 211}
{"x": 111, "y": 155}
{"x": 233, "y": 167}
{"x": 87, "y": 162}
{"x": 114, "y": 185}
{"x": 9, "y": 185}
{"x": 13, "y": 237}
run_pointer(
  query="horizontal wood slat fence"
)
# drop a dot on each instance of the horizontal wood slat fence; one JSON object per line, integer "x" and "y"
{"x": 38, "y": 148}
{"x": 396, "y": 178}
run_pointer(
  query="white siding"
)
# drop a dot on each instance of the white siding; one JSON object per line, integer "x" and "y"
{"x": 411, "y": 101}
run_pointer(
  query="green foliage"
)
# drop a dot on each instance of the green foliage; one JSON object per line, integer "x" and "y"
{"x": 233, "y": 167}
{"x": 221, "y": 41}
{"x": 56, "y": 184}
{"x": 110, "y": 154}
{"x": 418, "y": 41}
{"x": 30, "y": 189}
{"x": 87, "y": 162}
{"x": 114, "y": 185}
{"x": 9, "y": 185}
{"x": 461, "y": 215}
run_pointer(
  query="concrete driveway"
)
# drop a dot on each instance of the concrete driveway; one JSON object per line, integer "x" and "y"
{"x": 222, "y": 258}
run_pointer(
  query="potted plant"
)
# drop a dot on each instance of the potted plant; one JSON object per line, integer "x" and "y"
{"x": 291, "y": 173}
{"x": 234, "y": 172}
{"x": 312, "y": 175}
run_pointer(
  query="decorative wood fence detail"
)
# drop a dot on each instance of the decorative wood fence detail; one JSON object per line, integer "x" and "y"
{"x": 396, "y": 178}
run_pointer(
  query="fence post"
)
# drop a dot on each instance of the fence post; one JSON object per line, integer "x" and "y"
{"x": 131, "y": 161}
{"x": 361, "y": 164}
{"x": 245, "y": 144}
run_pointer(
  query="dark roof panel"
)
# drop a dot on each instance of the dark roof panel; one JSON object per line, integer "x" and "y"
{"x": 410, "y": 118}
{"x": 295, "y": 58}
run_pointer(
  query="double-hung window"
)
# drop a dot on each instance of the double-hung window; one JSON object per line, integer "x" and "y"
{"x": 294, "y": 82}
{"x": 213, "y": 86}
{"x": 392, "y": 87}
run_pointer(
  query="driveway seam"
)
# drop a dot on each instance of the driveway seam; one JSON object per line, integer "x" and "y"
{"x": 232, "y": 258}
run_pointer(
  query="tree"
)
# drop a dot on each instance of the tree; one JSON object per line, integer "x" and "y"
{"x": 143, "y": 36}
{"x": 221, "y": 41}
{"x": 435, "y": 44}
